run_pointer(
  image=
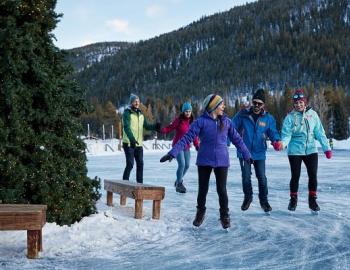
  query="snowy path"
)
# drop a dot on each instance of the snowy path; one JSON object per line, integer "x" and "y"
{"x": 255, "y": 241}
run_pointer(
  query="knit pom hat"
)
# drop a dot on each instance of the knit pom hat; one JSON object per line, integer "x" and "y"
{"x": 211, "y": 102}
{"x": 133, "y": 97}
{"x": 186, "y": 107}
{"x": 259, "y": 95}
{"x": 299, "y": 95}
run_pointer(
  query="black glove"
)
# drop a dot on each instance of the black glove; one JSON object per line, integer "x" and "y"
{"x": 197, "y": 148}
{"x": 166, "y": 157}
{"x": 158, "y": 125}
{"x": 251, "y": 161}
{"x": 133, "y": 144}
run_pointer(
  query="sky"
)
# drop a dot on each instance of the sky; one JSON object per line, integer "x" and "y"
{"x": 89, "y": 21}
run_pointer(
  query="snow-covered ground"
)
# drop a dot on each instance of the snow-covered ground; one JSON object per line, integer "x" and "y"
{"x": 113, "y": 239}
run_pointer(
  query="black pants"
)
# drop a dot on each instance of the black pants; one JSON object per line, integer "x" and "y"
{"x": 311, "y": 163}
{"x": 131, "y": 154}
{"x": 203, "y": 186}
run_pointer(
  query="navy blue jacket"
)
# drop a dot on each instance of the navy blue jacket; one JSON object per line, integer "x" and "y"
{"x": 254, "y": 134}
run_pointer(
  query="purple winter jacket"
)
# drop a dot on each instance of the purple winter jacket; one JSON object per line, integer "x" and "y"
{"x": 213, "y": 150}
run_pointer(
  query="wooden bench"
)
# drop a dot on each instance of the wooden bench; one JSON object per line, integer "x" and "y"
{"x": 136, "y": 191}
{"x": 30, "y": 217}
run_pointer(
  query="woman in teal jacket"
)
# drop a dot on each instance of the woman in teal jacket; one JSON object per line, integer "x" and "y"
{"x": 301, "y": 128}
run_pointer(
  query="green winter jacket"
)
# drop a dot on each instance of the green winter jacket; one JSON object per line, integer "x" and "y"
{"x": 300, "y": 131}
{"x": 133, "y": 124}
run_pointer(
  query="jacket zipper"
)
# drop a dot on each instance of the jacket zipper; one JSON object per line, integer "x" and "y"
{"x": 307, "y": 134}
{"x": 138, "y": 126}
{"x": 216, "y": 124}
{"x": 254, "y": 123}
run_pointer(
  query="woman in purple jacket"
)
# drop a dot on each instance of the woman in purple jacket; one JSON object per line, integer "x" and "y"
{"x": 213, "y": 128}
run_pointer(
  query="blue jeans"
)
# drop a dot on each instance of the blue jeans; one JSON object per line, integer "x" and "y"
{"x": 183, "y": 161}
{"x": 259, "y": 167}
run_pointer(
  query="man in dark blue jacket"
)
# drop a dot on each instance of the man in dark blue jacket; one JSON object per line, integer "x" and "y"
{"x": 254, "y": 125}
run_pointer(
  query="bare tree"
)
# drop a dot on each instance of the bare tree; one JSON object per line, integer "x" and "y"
{"x": 320, "y": 105}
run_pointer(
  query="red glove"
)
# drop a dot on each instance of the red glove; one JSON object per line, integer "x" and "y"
{"x": 277, "y": 145}
{"x": 328, "y": 154}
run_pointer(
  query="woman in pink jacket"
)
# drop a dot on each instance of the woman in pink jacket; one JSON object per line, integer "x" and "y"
{"x": 181, "y": 125}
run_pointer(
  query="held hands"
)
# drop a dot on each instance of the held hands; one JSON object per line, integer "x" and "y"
{"x": 158, "y": 127}
{"x": 328, "y": 154}
{"x": 166, "y": 157}
{"x": 277, "y": 145}
{"x": 133, "y": 144}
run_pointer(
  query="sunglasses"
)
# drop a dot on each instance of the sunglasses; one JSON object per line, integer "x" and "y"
{"x": 259, "y": 104}
{"x": 296, "y": 96}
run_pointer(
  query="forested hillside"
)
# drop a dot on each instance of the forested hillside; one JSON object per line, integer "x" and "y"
{"x": 269, "y": 42}
{"x": 274, "y": 44}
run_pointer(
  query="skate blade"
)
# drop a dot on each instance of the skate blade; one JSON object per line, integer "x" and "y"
{"x": 195, "y": 228}
{"x": 314, "y": 213}
{"x": 268, "y": 213}
{"x": 226, "y": 230}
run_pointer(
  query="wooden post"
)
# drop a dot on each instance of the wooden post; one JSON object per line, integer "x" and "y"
{"x": 156, "y": 209}
{"x": 120, "y": 136}
{"x": 122, "y": 200}
{"x": 109, "y": 198}
{"x": 138, "y": 208}
{"x": 33, "y": 239}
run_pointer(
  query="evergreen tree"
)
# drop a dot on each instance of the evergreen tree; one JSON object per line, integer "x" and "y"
{"x": 42, "y": 159}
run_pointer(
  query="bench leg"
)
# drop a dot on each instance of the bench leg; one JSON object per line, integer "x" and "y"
{"x": 156, "y": 210}
{"x": 41, "y": 240}
{"x": 109, "y": 198}
{"x": 122, "y": 200}
{"x": 33, "y": 243}
{"x": 138, "y": 208}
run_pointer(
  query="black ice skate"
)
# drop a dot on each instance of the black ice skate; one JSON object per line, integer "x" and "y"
{"x": 246, "y": 203}
{"x": 180, "y": 187}
{"x": 266, "y": 207}
{"x": 225, "y": 221}
{"x": 313, "y": 204}
{"x": 293, "y": 202}
{"x": 198, "y": 220}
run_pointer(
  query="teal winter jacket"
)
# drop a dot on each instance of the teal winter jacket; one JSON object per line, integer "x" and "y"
{"x": 300, "y": 131}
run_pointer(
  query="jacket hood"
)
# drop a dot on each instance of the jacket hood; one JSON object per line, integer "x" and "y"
{"x": 131, "y": 109}
{"x": 207, "y": 115}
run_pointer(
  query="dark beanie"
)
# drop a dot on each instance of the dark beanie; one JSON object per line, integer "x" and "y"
{"x": 260, "y": 95}
{"x": 132, "y": 98}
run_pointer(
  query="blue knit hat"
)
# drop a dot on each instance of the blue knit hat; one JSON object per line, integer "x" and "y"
{"x": 133, "y": 97}
{"x": 186, "y": 107}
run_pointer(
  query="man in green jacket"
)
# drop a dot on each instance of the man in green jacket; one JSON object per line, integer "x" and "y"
{"x": 133, "y": 124}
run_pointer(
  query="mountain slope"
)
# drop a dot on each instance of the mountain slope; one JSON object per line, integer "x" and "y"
{"x": 84, "y": 57}
{"x": 269, "y": 43}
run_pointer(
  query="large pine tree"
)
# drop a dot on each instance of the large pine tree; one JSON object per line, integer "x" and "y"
{"x": 42, "y": 159}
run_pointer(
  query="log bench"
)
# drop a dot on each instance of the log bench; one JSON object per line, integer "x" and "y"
{"x": 136, "y": 191}
{"x": 30, "y": 217}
